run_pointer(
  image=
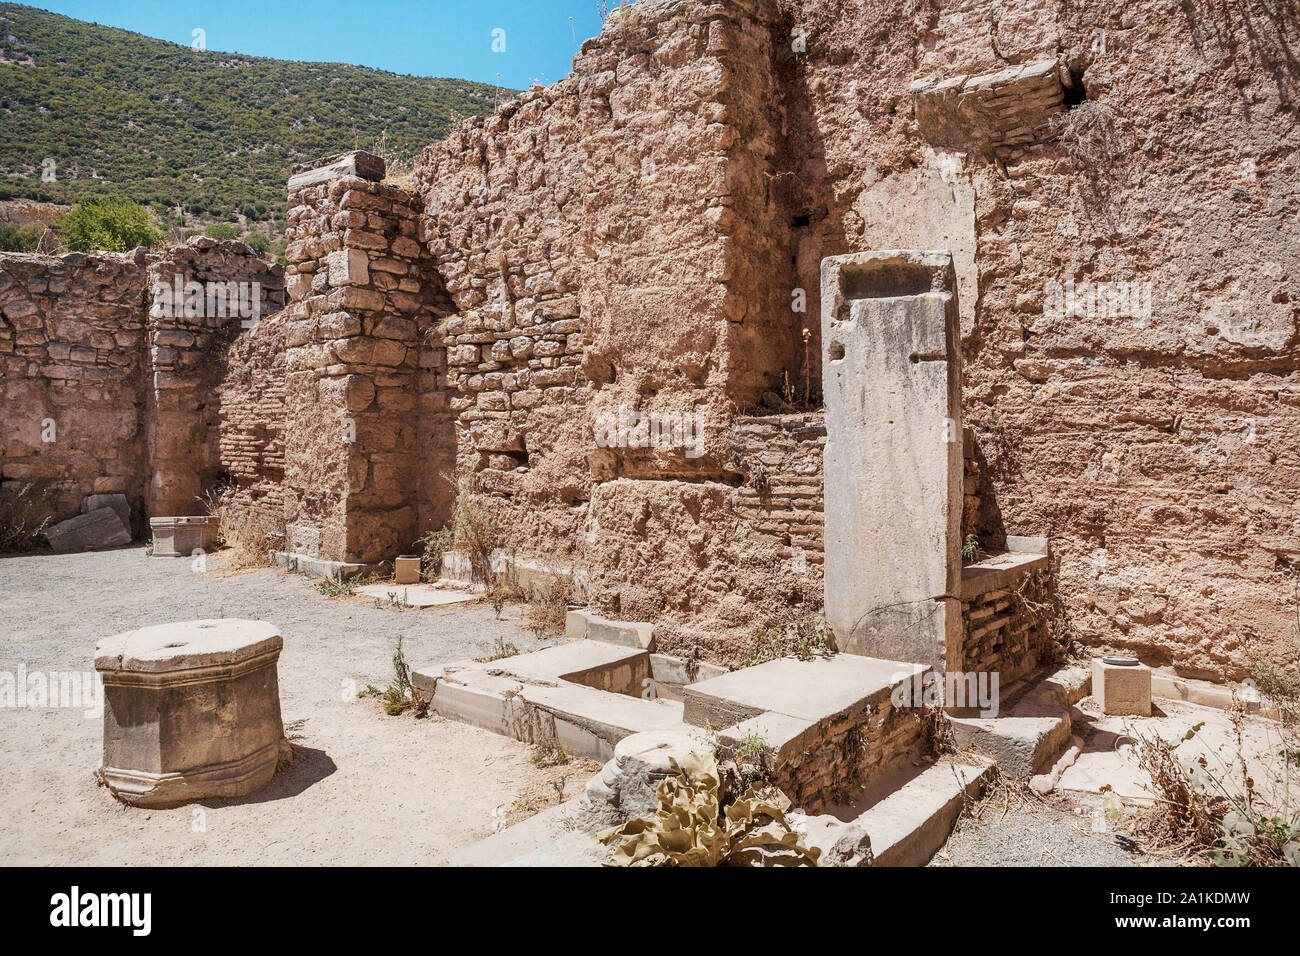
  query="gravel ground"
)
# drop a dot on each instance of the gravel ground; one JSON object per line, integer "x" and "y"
{"x": 365, "y": 789}
{"x": 1023, "y": 832}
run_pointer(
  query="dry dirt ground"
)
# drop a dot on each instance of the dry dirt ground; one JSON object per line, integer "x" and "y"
{"x": 366, "y": 789}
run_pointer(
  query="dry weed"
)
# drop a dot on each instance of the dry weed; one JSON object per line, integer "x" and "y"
{"x": 249, "y": 538}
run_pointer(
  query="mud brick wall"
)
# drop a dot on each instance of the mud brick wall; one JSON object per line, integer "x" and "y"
{"x": 1008, "y": 629}
{"x": 72, "y": 350}
{"x": 780, "y": 502}
{"x": 364, "y": 298}
{"x": 252, "y": 423}
{"x": 188, "y": 357}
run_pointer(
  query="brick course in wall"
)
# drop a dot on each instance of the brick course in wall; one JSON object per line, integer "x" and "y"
{"x": 835, "y": 760}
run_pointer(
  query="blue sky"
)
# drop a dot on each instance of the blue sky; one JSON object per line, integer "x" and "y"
{"x": 421, "y": 37}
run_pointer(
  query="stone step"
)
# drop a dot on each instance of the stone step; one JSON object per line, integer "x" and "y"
{"x": 1021, "y": 745}
{"x": 554, "y": 837}
{"x": 909, "y": 825}
{"x": 584, "y": 696}
{"x": 591, "y": 722}
{"x": 1030, "y": 734}
{"x": 808, "y": 691}
{"x": 583, "y": 625}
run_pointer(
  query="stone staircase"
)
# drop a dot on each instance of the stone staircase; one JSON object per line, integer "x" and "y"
{"x": 828, "y": 729}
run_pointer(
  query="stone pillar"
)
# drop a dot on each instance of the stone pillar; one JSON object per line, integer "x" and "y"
{"x": 359, "y": 306}
{"x": 893, "y": 458}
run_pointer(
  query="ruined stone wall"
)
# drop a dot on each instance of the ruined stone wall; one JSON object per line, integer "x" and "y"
{"x": 607, "y": 247}
{"x": 1008, "y": 627}
{"x": 780, "y": 503}
{"x": 637, "y": 241}
{"x": 188, "y": 341}
{"x": 1156, "y": 449}
{"x": 72, "y": 345}
{"x": 123, "y": 384}
{"x": 1156, "y": 446}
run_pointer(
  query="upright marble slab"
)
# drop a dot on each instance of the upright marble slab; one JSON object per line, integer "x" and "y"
{"x": 893, "y": 457}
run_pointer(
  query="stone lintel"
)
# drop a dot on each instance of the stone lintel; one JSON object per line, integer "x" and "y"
{"x": 356, "y": 163}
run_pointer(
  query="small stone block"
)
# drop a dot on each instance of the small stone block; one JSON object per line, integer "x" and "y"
{"x": 357, "y": 163}
{"x": 181, "y": 537}
{"x": 407, "y": 570}
{"x": 1121, "y": 690}
{"x": 101, "y": 528}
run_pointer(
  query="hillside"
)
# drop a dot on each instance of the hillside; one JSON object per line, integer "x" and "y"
{"x": 215, "y": 133}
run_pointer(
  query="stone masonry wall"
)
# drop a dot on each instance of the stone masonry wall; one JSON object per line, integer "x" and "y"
{"x": 1008, "y": 629}
{"x": 187, "y": 356}
{"x": 128, "y": 384}
{"x": 634, "y": 239}
{"x": 1155, "y": 447}
{"x": 606, "y": 244}
{"x": 72, "y": 345}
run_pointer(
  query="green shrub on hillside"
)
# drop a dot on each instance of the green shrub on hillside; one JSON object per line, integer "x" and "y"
{"x": 20, "y": 238}
{"x": 215, "y": 133}
{"x": 108, "y": 225}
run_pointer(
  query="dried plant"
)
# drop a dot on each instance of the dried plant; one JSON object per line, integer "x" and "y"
{"x": 547, "y": 606}
{"x": 1089, "y": 136}
{"x": 500, "y": 648}
{"x": 431, "y": 548}
{"x": 25, "y": 511}
{"x": 250, "y": 537}
{"x": 1200, "y": 813}
{"x": 475, "y": 532}
{"x": 937, "y": 735}
{"x": 802, "y": 636}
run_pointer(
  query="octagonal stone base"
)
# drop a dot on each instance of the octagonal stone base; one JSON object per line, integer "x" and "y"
{"x": 191, "y": 711}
